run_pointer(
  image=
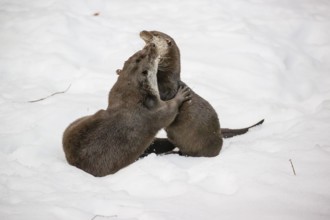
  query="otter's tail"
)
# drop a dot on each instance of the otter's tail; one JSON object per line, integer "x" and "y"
{"x": 228, "y": 133}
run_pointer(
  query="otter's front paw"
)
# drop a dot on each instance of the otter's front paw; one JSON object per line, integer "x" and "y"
{"x": 183, "y": 94}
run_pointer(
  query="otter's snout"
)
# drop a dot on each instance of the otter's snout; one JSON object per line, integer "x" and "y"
{"x": 151, "y": 50}
{"x": 146, "y": 36}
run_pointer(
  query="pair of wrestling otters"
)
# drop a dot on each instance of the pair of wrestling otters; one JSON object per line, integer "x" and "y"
{"x": 147, "y": 97}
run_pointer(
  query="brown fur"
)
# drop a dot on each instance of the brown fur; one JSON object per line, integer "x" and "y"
{"x": 196, "y": 131}
{"x": 111, "y": 139}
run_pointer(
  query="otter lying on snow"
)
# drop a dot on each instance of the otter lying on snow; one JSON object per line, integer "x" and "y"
{"x": 196, "y": 130}
{"x": 111, "y": 139}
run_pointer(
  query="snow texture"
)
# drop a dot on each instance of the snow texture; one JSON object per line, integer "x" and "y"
{"x": 251, "y": 59}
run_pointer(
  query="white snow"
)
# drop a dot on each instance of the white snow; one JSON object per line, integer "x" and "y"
{"x": 251, "y": 59}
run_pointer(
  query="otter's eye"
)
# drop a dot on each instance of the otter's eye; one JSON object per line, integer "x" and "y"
{"x": 145, "y": 72}
{"x": 169, "y": 43}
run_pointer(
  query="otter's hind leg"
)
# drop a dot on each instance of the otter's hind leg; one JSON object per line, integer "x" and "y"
{"x": 159, "y": 146}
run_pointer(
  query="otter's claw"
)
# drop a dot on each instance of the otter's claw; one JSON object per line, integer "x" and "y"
{"x": 183, "y": 93}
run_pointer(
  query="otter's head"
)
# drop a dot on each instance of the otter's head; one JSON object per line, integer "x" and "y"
{"x": 168, "y": 50}
{"x": 162, "y": 41}
{"x": 141, "y": 69}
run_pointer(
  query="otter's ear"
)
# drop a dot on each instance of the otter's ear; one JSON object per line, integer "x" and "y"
{"x": 118, "y": 71}
{"x": 169, "y": 42}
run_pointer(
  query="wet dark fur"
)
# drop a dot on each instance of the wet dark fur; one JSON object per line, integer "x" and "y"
{"x": 111, "y": 139}
{"x": 196, "y": 130}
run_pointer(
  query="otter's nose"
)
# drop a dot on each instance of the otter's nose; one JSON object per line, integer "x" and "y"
{"x": 150, "y": 46}
{"x": 151, "y": 50}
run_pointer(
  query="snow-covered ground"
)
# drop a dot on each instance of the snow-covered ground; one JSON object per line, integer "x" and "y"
{"x": 251, "y": 59}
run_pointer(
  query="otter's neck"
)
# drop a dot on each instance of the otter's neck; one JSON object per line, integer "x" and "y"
{"x": 152, "y": 81}
{"x": 127, "y": 93}
{"x": 168, "y": 84}
{"x": 168, "y": 75}
{"x": 123, "y": 94}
